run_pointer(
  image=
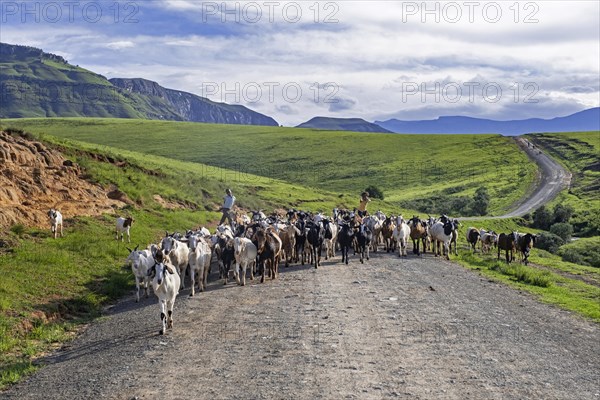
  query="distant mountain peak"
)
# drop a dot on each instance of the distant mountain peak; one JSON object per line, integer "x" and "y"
{"x": 342, "y": 124}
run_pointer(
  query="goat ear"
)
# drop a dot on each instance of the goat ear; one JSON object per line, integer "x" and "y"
{"x": 152, "y": 271}
{"x": 169, "y": 269}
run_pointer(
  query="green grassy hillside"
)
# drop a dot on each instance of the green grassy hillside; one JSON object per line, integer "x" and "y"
{"x": 580, "y": 153}
{"x": 405, "y": 167}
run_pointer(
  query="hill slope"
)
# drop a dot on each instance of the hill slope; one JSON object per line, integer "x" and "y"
{"x": 405, "y": 167}
{"x": 587, "y": 120}
{"x": 342, "y": 124}
{"x": 39, "y": 84}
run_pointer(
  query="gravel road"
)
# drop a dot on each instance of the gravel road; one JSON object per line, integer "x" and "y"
{"x": 552, "y": 179}
{"x": 420, "y": 328}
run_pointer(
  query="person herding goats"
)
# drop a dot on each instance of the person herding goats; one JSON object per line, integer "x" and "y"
{"x": 228, "y": 202}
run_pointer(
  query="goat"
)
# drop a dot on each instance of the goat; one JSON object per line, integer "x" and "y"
{"x": 56, "y": 222}
{"x": 288, "y": 242}
{"x": 364, "y": 237}
{"x": 508, "y": 243}
{"x": 178, "y": 254}
{"x": 315, "y": 237}
{"x": 199, "y": 256}
{"x": 401, "y": 234}
{"x": 418, "y": 233}
{"x": 123, "y": 226}
{"x": 141, "y": 261}
{"x": 245, "y": 256}
{"x": 268, "y": 248}
{"x": 387, "y": 232}
{"x": 165, "y": 284}
{"x": 345, "y": 237}
{"x": 487, "y": 239}
{"x": 224, "y": 251}
{"x": 441, "y": 233}
{"x": 331, "y": 232}
{"x": 472, "y": 237}
{"x": 300, "y": 247}
{"x": 524, "y": 245}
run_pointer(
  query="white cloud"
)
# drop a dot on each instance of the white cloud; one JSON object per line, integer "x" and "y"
{"x": 374, "y": 50}
{"x": 123, "y": 44}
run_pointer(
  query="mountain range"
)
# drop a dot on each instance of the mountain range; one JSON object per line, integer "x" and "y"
{"x": 38, "y": 84}
{"x": 586, "y": 120}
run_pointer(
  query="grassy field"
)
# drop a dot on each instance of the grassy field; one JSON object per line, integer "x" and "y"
{"x": 405, "y": 167}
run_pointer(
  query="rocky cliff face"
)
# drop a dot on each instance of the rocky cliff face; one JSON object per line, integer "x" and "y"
{"x": 36, "y": 84}
{"x": 35, "y": 178}
{"x": 194, "y": 108}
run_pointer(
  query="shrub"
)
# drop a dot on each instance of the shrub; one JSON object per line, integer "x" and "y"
{"x": 562, "y": 213}
{"x": 481, "y": 201}
{"x": 375, "y": 192}
{"x": 583, "y": 252}
{"x": 18, "y": 229}
{"x": 572, "y": 255}
{"x": 562, "y": 229}
{"x": 549, "y": 241}
{"x": 542, "y": 218}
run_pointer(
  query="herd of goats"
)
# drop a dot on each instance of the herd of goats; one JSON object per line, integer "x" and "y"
{"x": 258, "y": 244}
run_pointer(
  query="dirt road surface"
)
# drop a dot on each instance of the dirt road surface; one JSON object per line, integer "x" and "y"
{"x": 420, "y": 328}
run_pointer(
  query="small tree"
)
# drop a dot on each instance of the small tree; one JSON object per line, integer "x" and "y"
{"x": 481, "y": 201}
{"x": 375, "y": 192}
{"x": 542, "y": 218}
{"x": 563, "y": 230}
{"x": 549, "y": 241}
{"x": 562, "y": 213}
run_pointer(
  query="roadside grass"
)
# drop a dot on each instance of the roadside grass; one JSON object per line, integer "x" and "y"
{"x": 405, "y": 167}
{"x": 547, "y": 276}
{"x": 547, "y": 286}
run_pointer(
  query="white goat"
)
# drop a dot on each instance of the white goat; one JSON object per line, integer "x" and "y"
{"x": 123, "y": 226}
{"x": 165, "y": 284}
{"x": 245, "y": 256}
{"x": 199, "y": 257}
{"x": 177, "y": 254}
{"x": 441, "y": 233}
{"x": 331, "y": 230}
{"x": 401, "y": 235}
{"x": 141, "y": 261}
{"x": 56, "y": 222}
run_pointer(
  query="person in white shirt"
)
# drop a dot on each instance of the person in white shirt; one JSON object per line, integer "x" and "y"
{"x": 228, "y": 202}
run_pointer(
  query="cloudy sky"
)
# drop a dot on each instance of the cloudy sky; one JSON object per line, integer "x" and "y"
{"x": 374, "y": 60}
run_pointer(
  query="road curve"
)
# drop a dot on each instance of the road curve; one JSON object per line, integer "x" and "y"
{"x": 552, "y": 179}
